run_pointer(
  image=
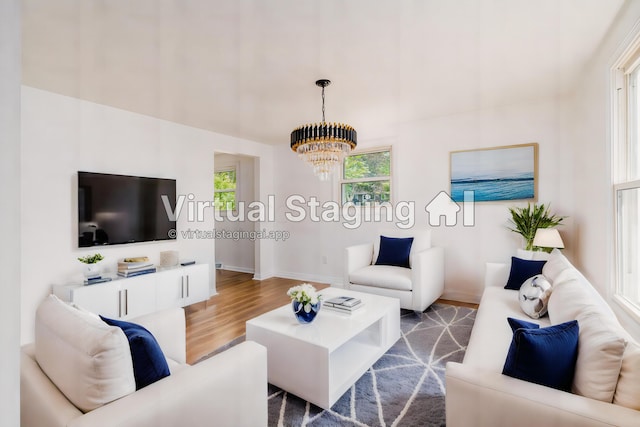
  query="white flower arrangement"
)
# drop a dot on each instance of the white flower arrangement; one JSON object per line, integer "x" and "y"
{"x": 305, "y": 294}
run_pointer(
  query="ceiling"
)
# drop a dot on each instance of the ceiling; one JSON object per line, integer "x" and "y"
{"x": 247, "y": 67}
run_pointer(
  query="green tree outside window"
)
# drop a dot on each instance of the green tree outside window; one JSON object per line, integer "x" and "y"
{"x": 225, "y": 190}
{"x": 366, "y": 178}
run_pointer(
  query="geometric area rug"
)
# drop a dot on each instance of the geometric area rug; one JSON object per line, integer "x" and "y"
{"x": 405, "y": 387}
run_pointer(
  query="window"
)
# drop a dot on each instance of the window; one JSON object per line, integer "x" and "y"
{"x": 225, "y": 189}
{"x": 366, "y": 177}
{"x": 626, "y": 175}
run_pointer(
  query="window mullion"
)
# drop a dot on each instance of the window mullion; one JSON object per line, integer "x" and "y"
{"x": 372, "y": 179}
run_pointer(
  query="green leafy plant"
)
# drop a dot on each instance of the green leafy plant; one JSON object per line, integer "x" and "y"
{"x": 91, "y": 259}
{"x": 527, "y": 220}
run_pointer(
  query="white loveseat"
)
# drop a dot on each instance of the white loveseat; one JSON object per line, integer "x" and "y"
{"x": 479, "y": 395}
{"x": 416, "y": 287}
{"x": 228, "y": 389}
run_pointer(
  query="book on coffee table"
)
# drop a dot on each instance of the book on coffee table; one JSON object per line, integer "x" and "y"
{"x": 343, "y": 303}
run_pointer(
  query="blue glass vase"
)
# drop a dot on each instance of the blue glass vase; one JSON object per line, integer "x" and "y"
{"x": 302, "y": 316}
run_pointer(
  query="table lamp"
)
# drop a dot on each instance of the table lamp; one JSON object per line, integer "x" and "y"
{"x": 548, "y": 238}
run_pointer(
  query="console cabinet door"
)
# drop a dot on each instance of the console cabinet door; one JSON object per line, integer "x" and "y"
{"x": 137, "y": 296}
{"x": 170, "y": 289}
{"x": 197, "y": 283}
{"x": 119, "y": 299}
{"x": 101, "y": 298}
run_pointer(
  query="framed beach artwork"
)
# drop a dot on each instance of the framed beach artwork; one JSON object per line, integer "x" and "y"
{"x": 497, "y": 173}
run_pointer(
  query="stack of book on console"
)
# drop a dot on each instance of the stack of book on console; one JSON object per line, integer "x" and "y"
{"x": 343, "y": 304}
{"x": 137, "y": 266}
{"x": 96, "y": 279}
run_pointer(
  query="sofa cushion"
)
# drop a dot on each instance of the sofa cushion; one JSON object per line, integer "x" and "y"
{"x": 521, "y": 270}
{"x": 88, "y": 360}
{"x": 383, "y": 276}
{"x": 534, "y": 296}
{"x": 600, "y": 351}
{"x": 149, "y": 363}
{"x": 573, "y": 296}
{"x": 545, "y": 356}
{"x": 394, "y": 251}
{"x": 555, "y": 266}
{"x": 628, "y": 388}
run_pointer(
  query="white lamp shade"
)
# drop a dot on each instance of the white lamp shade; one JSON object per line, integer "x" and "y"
{"x": 548, "y": 238}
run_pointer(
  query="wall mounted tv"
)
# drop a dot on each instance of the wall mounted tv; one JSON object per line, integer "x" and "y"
{"x": 117, "y": 209}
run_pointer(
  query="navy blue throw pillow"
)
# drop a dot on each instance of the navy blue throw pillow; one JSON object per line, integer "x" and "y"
{"x": 545, "y": 356}
{"x": 518, "y": 324}
{"x": 149, "y": 363}
{"x": 521, "y": 270}
{"x": 394, "y": 251}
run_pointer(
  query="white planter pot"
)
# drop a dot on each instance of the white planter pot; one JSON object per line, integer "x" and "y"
{"x": 91, "y": 270}
{"x": 532, "y": 255}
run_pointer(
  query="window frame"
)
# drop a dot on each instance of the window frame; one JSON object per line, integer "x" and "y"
{"x": 341, "y": 180}
{"x": 229, "y": 168}
{"x": 627, "y": 63}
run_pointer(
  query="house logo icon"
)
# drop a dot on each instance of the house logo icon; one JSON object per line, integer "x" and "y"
{"x": 443, "y": 206}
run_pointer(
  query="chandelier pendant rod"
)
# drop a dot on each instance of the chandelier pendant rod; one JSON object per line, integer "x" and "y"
{"x": 323, "y": 121}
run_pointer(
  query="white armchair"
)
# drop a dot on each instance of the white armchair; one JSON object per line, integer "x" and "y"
{"x": 416, "y": 287}
{"x": 228, "y": 389}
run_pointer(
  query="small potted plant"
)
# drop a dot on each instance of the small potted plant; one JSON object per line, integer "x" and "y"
{"x": 91, "y": 269}
{"x": 527, "y": 220}
{"x": 305, "y": 302}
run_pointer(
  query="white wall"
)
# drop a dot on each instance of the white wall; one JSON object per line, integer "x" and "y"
{"x": 421, "y": 170}
{"x": 62, "y": 135}
{"x": 237, "y": 254}
{"x": 10, "y": 50}
{"x": 591, "y": 144}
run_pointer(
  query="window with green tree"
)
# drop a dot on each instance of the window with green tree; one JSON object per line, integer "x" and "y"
{"x": 366, "y": 178}
{"x": 225, "y": 189}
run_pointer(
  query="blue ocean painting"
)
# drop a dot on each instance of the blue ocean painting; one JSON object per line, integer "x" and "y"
{"x": 494, "y": 174}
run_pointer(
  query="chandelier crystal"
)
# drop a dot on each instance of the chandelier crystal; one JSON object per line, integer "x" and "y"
{"x": 323, "y": 145}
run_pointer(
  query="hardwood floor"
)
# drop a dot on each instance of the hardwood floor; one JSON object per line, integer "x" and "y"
{"x": 222, "y": 318}
{"x": 458, "y": 303}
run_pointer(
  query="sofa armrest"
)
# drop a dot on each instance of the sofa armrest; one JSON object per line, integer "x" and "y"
{"x": 496, "y": 274}
{"x": 41, "y": 403}
{"x": 427, "y": 272}
{"x": 356, "y": 257}
{"x": 480, "y": 397}
{"x": 229, "y": 389}
{"x": 169, "y": 329}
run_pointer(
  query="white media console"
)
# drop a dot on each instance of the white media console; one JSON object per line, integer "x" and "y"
{"x": 123, "y": 298}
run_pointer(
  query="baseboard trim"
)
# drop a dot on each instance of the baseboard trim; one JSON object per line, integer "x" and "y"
{"x": 238, "y": 269}
{"x": 262, "y": 276}
{"x": 461, "y": 296}
{"x": 305, "y": 277}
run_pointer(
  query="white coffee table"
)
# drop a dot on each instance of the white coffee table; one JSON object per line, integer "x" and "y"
{"x": 321, "y": 360}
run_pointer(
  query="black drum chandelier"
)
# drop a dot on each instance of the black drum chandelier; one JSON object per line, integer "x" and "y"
{"x": 323, "y": 145}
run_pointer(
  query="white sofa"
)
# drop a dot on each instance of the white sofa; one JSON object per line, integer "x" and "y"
{"x": 229, "y": 389}
{"x": 479, "y": 395}
{"x": 416, "y": 287}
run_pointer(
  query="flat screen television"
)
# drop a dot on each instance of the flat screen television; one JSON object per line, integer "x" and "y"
{"x": 118, "y": 209}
